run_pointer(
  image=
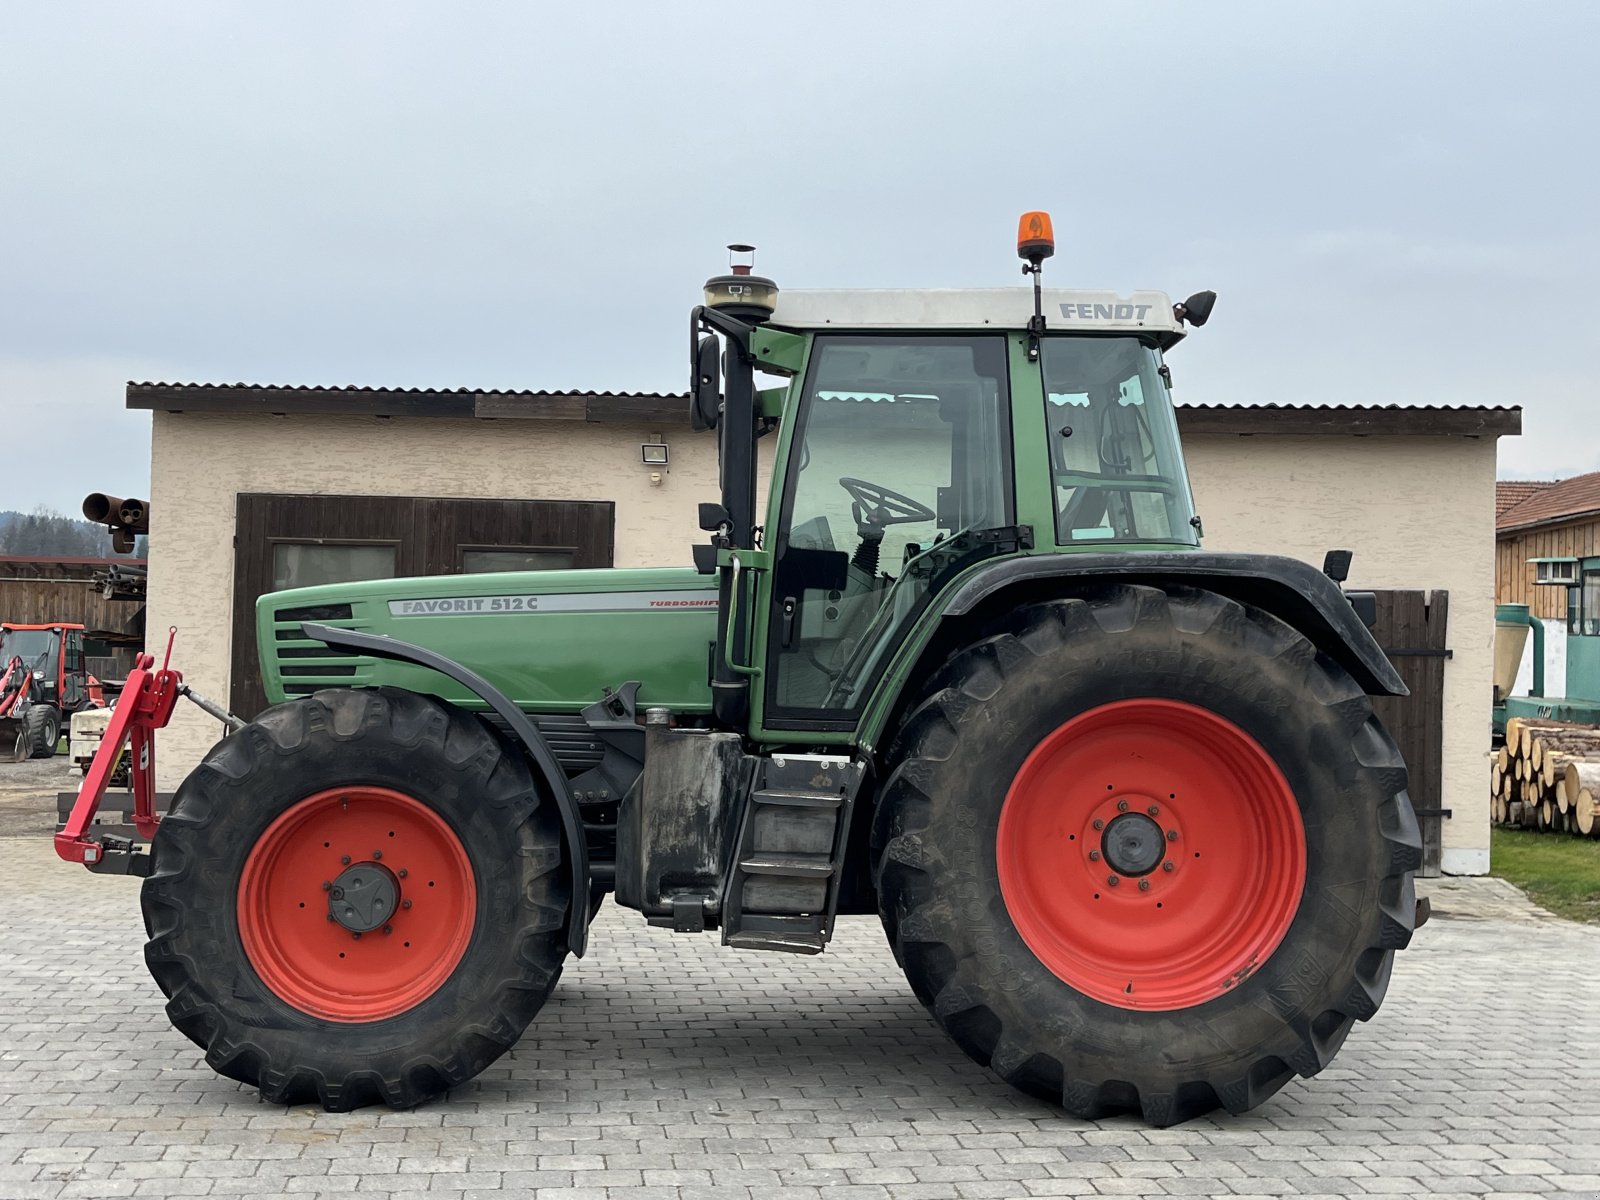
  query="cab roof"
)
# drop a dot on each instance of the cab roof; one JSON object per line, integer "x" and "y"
{"x": 1065, "y": 310}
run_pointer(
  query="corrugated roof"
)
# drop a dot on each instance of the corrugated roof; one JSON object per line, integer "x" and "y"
{"x": 363, "y": 389}
{"x": 1563, "y": 501}
{"x": 1359, "y": 408}
{"x": 1508, "y": 493}
{"x": 672, "y": 408}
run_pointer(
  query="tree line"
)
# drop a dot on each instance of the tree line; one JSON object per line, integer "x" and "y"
{"x": 45, "y": 532}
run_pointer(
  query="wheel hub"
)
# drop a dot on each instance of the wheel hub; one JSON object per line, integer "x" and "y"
{"x": 1133, "y": 844}
{"x": 364, "y": 896}
{"x": 335, "y": 931}
{"x": 1151, "y": 854}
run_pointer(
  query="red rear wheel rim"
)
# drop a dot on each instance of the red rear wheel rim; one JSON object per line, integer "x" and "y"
{"x": 1208, "y": 805}
{"x": 316, "y": 964}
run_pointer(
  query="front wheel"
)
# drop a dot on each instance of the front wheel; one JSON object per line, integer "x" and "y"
{"x": 42, "y": 723}
{"x": 358, "y": 898}
{"x": 1147, "y": 851}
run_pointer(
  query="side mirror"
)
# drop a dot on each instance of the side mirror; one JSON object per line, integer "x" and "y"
{"x": 705, "y": 393}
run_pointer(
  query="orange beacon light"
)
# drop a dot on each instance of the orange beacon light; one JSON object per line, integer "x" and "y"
{"x": 1036, "y": 241}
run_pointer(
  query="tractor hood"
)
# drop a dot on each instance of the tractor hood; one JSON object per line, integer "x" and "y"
{"x": 550, "y": 640}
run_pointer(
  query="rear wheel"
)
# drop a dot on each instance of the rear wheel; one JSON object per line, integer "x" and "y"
{"x": 1148, "y": 851}
{"x": 358, "y": 898}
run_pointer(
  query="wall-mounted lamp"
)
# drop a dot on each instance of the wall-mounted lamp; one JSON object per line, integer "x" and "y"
{"x": 653, "y": 454}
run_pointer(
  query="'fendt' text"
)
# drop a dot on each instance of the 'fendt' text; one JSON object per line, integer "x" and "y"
{"x": 1105, "y": 312}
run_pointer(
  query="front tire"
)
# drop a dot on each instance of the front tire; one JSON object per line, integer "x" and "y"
{"x": 1249, "y": 925}
{"x": 42, "y": 726}
{"x": 358, "y": 898}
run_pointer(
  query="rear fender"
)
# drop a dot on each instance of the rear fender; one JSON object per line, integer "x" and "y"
{"x": 1293, "y": 591}
{"x": 544, "y": 762}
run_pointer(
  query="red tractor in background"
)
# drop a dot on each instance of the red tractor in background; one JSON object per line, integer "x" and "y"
{"x": 44, "y": 681}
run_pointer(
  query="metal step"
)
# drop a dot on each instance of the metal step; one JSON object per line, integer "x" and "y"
{"x": 783, "y": 886}
{"x": 793, "y": 799}
{"x": 792, "y": 865}
{"x": 788, "y": 943}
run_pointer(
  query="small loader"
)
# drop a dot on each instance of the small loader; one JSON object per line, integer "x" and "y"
{"x": 43, "y": 681}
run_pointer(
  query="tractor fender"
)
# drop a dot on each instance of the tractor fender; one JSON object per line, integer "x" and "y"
{"x": 382, "y": 646}
{"x": 1293, "y": 591}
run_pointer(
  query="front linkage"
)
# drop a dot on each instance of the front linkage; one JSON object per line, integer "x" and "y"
{"x": 145, "y": 705}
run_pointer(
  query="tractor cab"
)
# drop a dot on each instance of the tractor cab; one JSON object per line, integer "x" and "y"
{"x": 900, "y": 472}
{"x": 919, "y": 434}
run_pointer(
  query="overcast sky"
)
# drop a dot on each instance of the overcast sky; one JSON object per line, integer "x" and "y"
{"x": 1396, "y": 202}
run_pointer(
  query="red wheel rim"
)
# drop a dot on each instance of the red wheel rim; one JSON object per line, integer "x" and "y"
{"x": 305, "y": 955}
{"x": 1193, "y": 790}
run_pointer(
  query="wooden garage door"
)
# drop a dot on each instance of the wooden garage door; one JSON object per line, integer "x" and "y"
{"x": 1412, "y": 628}
{"x": 294, "y": 541}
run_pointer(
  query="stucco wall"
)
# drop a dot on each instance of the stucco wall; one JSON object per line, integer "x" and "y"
{"x": 1419, "y": 513}
{"x": 199, "y": 462}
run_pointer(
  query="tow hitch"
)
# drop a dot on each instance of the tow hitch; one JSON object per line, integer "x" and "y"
{"x": 146, "y": 705}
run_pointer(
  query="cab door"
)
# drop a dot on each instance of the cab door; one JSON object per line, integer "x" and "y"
{"x": 899, "y": 451}
{"x": 74, "y": 677}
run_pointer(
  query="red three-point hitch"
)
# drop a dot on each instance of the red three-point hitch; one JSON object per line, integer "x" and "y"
{"x": 145, "y": 706}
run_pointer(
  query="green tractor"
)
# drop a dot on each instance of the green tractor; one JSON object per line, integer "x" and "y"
{"x": 1122, "y": 805}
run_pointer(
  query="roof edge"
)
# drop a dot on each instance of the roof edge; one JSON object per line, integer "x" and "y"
{"x": 672, "y": 408}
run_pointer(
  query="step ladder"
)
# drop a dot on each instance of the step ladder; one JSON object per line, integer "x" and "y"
{"x": 783, "y": 886}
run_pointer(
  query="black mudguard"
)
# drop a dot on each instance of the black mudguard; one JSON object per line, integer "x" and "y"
{"x": 382, "y": 646}
{"x": 1293, "y": 591}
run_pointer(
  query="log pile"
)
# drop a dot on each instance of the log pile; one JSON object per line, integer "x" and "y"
{"x": 1547, "y": 777}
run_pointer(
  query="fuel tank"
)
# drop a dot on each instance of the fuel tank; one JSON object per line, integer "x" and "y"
{"x": 551, "y": 640}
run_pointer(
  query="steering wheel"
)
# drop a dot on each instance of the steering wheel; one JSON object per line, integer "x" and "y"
{"x": 876, "y": 506}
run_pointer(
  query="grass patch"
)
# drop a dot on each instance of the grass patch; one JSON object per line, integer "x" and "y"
{"x": 1557, "y": 870}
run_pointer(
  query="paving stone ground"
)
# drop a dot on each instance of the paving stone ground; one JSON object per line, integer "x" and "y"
{"x": 667, "y": 1067}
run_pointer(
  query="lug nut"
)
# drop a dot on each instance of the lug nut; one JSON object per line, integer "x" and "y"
{"x": 330, "y": 916}
{"x": 376, "y": 855}
{"x": 327, "y": 885}
{"x": 402, "y": 872}
{"x": 1144, "y": 885}
{"x": 1094, "y": 856}
{"x": 345, "y": 860}
{"x": 1099, "y": 824}
{"x": 388, "y": 928}
{"x": 357, "y": 936}
{"x": 405, "y": 904}
{"x": 1154, "y": 810}
{"x": 1167, "y": 866}
{"x": 1113, "y": 880}
{"x": 1122, "y": 806}
{"x": 1172, "y": 835}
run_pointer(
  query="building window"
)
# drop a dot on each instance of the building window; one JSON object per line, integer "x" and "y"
{"x": 301, "y": 564}
{"x": 1583, "y": 606}
{"x": 480, "y": 561}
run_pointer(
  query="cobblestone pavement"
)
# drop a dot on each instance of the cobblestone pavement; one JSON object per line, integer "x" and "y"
{"x": 666, "y": 1067}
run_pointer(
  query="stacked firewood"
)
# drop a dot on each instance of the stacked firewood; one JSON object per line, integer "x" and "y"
{"x": 1547, "y": 777}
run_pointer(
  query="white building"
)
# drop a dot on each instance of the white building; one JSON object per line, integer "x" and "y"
{"x": 258, "y": 487}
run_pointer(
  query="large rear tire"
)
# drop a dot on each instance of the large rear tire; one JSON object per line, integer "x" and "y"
{"x": 359, "y": 898}
{"x": 1146, "y": 851}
